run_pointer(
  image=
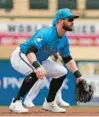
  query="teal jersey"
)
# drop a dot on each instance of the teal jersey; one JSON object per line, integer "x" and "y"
{"x": 48, "y": 43}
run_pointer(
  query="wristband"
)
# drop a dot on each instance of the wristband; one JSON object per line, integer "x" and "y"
{"x": 36, "y": 64}
{"x": 77, "y": 74}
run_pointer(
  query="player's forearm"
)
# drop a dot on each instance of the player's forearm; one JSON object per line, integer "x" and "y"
{"x": 31, "y": 57}
{"x": 72, "y": 66}
{"x": 74, "y": 69}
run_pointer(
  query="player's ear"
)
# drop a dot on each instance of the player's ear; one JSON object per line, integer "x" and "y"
{"x": 60, "y": 20}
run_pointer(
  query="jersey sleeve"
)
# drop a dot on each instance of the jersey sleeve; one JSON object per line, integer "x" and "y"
{"x": 65, "y": 50}
{"x": 38, "y": 42}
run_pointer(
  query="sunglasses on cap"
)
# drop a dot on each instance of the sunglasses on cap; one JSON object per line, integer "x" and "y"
{"x": 70, "y": 19}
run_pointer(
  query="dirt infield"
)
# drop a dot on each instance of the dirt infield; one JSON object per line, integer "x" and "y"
{"x": 37, "y": 111}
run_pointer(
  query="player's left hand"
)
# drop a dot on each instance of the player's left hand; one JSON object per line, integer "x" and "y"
{"x": 79, "y": 79}
{"x": 84, "y": 91}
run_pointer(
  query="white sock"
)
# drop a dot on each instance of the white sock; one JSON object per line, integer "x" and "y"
{"x": 35, "y": 90}
{"x": 59, "y": 93}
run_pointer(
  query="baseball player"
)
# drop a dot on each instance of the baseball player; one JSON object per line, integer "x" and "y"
{"x": 31, "y": 59}
{"x": 28, "y": 102}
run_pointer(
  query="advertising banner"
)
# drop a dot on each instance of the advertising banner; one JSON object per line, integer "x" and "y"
{"x": 11, "y": 80}
{"x": 14, "y": 33}
{"x": 26, "y": 27}
{"x": 74, "y": 39}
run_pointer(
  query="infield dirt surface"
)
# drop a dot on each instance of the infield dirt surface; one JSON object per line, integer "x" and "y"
{"x": 38, "y": 111}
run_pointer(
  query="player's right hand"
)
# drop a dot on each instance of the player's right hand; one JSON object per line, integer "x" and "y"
{"x": 40, "y": 73}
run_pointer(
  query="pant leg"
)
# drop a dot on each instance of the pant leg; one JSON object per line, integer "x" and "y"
{"x": 20, "y": 62}
{"x": 58, "y": 72}
{"x": 32, "y": 94}
{"x": 54, "y": 69}
{"x": 59, "y": 93}
{"x": 41, "y": 83}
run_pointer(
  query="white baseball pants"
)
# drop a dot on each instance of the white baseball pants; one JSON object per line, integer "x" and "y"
{"x": 21, "y": 64}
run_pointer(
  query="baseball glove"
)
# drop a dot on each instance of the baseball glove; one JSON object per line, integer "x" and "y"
{"x": 84, "y": 91}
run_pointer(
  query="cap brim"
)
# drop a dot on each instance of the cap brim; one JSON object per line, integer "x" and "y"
{"x": 75, "y": 16}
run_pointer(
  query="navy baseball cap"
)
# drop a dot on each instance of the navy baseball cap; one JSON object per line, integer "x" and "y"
{"x": 63, "y": 14}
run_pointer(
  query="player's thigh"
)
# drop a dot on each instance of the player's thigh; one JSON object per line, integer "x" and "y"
{"x": 20, "y": 63}
{"x": 54, "y": 69}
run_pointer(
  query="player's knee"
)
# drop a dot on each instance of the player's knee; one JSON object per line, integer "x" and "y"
{"x": 30, "y": 78}
{"x": 61, "y": 71}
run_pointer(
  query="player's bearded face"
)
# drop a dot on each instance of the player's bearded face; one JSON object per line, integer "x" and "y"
{"x": 67, "y": 25}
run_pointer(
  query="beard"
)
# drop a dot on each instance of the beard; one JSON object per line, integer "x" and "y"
{"x": 67, "y": 28}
